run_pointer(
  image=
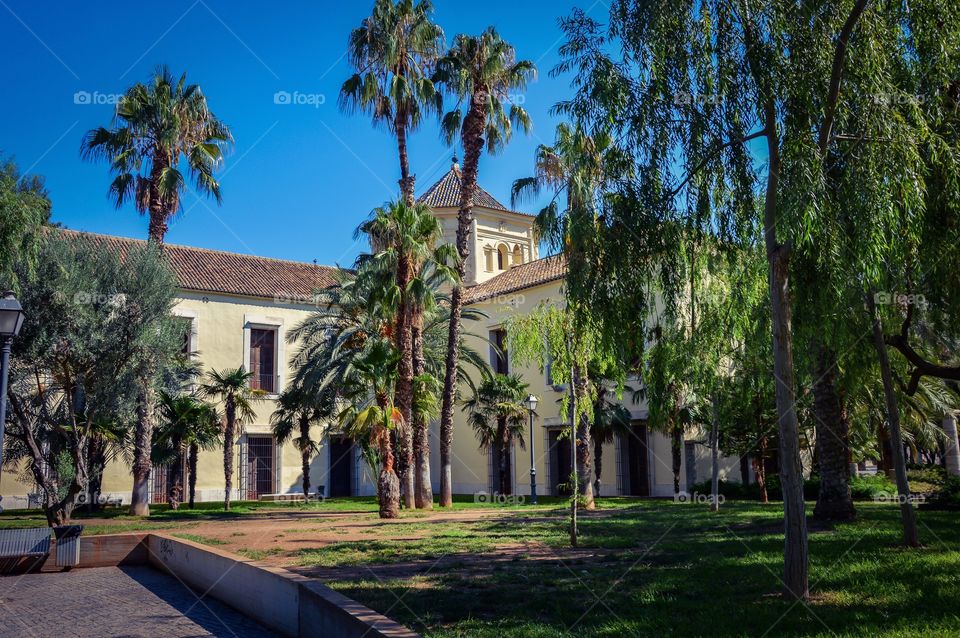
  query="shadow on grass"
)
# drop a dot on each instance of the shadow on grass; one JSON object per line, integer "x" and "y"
{"x": 665, "y": 569}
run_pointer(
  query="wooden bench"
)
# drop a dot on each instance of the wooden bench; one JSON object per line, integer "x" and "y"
{"x": 23, "y": 550}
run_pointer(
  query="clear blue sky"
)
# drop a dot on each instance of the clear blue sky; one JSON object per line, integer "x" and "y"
{"x": 301, "y": 176}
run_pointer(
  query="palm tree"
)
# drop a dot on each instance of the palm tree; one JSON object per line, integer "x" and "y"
{"x": 481, "y": 71}
{"x": 232, "y": 386}
{"x": 156, "y": 127}
{"x": 186, "y": 424}
{"x": 407, "y": 236}
{"x": 371, "y": 415}
{"x": 298, "y": 409}
{"x": 610, "y": 420}
{"x": 497, "y": 417}
{"x": 393, "y": 51}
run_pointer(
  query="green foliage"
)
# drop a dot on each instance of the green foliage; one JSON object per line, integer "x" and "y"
{"x": 156, "y": 126}
{"x": 481, "y": 72}
{"x": 496, "y": 412}
{"x": 93, "y": 319}
{"x": 947, "y": 497}
{"x": 24, "y": 207}
{"x": 393, "y": 52}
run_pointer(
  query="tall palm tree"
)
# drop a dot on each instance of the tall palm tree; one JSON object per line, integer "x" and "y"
{"x": 297, "y": 410}
{"x": 231, "y": 386}
{"x": 186, "y": 424}
{"x": 157, "y": 127}
{"x": 407, "y": 236}
{"x": 480, "y": 71}
{"x": 393, "y": 52}
{"x": 498, "y": 417}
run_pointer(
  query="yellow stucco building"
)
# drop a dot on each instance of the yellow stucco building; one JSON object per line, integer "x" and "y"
{"x": 241, "y": 307}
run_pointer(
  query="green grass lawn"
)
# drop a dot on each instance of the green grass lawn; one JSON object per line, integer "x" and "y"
{"x": 644, "y": 568}
{"x": 664, "y": 569}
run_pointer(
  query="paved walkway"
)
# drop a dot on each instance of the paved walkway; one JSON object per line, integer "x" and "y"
{"x": 112, "y": 601}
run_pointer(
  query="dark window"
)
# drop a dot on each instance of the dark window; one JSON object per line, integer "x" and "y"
{"x": 187, "y": 327}
{"x": 263, "y": 351}
{"x": 498, "y": 352}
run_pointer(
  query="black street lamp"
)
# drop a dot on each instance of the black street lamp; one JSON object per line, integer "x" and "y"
{"x": 531, "y": 405}
{"x": 11, "y": 320}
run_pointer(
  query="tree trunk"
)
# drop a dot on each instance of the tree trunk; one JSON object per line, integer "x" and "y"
{"x": 96, "y": 461}
{"x": 834, "y": 501}
{"x": 142, "y": 439}
{"x": 228, "y": 435}
{"x": 584, "y": 457}
{"x": 472, "y": 139}
{"x": 951, "y": 451}
{"x": 175, "y": 478}
{"x": 597, "y": 464}
{"x": 423, "y": 486}
{"x": 504, "y": 466}
{"x": 407, "y": 180}
{"x": 715, "y": 458}
{"x": 676, "y": 453}
{"x": 305, "y": 454}
{"x": 192, "y": 455}
{"x": 403, "y": 393}
{"x": 910, "y": 535}
{"x": 760, "y": 470}
{"x": 795, "y": 568}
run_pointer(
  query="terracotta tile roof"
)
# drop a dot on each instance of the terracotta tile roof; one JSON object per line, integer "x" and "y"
{"x": 445, "y": 193}
{"x": 203, "y": 270}
{"x": 534, "y": 273}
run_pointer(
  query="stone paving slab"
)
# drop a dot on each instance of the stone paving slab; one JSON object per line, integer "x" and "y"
{"x": 119, "y": 602}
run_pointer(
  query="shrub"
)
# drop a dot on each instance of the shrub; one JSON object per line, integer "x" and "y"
{"x": 947, "y": 497}
{"x": 867, "y": 488}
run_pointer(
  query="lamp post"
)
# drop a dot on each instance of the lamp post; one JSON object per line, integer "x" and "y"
{"x": 11, "y": 320}
{"x": 531, "y": 405}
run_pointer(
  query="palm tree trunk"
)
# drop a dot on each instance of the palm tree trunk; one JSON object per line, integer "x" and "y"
{"x": 96, "y": 462}
{"x": 305, "y": 454}
{"x": 584, "y": 460}
{"x": 175, "y": 477}
{"x": 388, "y": 485}
{"x": 142, "y": 438}
{"x": 910, "y": 535}
{"x": 228, "y": 436}
{"x": 834, "y": 501}
{"x": 407, "y": 180}
{"x": 192, "y": 479}
{"x": 423, "y": 486}
{"x": 472, "y": 138}
{"x": 403, "y": 393}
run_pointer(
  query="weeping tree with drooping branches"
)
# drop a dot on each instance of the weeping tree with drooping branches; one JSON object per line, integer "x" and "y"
{"x": 725, "y": 102}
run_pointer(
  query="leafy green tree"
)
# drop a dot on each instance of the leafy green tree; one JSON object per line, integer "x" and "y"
{"x": 711, "y": 99}
{"x": 24, "y": 208}
{"x": 497, "y": 416}
{"x": 480, "y": 72}
{"x": 157, "y": 127}
{"x": 393, "y": 52}
{"x": 610, "y": 420}
{"x": 75, "y": 367}
{"x": 232, "y": 387}
{"x": 297, "y": 411}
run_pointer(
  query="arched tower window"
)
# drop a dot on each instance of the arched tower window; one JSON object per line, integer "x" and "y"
{"x": 517, "y": 255}
{"x": 502, "y": 257}
{"x": 488, "y": 256}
